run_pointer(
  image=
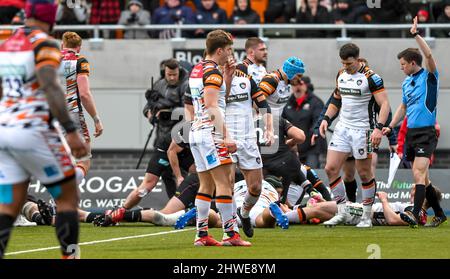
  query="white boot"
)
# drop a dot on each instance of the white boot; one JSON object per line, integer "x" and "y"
{"x": 339, "y": 218}
{"x": 366, "y": 220}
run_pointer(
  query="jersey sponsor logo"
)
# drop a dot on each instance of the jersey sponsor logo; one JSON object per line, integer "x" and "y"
{"x": 214, "y": 79}
{"x": 266, "y": 87}
{"x": 237, "y": 98}
{"x": 377, "y": 80}
{"x": 349, "y": 91}
{"x": 12, "y": 70}
{"x": 282, "y": 100}
{"x": 420, "y": 150}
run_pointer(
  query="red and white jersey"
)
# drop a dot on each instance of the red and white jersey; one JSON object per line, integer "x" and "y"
{"x": 23, "y": 104}
{"x": 205, "y": 74}
{"x": 72, "y": 65}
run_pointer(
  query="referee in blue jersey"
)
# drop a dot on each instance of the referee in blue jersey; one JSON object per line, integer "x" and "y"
{"x": 419, "y": 99}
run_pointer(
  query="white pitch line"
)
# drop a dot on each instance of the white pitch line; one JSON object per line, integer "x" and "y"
{"x": 97, "y": 241}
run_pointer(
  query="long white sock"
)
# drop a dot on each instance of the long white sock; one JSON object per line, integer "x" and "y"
{"x": 203, "y": 204}
{"x": 338, "y": 191}
{"x": 225, "y": 206}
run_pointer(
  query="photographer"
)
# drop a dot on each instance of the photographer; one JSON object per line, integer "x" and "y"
{"x": 135, "y": 15}
{"x": 163, "y": 100}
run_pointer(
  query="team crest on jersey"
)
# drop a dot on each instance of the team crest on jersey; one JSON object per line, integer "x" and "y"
{"x": 243, "y": 85}
{"x": 258, "y": 160}
{"x": 361, "y": 151}
{"x": 359, "y": 82}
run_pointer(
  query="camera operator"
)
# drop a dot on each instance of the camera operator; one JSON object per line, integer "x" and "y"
{"x": 166, "y": 96}
{"x": 135, "y": 15}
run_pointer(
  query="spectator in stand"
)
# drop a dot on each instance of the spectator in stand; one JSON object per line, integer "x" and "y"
{"x": 280, "y": 11}
{"x": 135, "y": 15}
{"x": 244, "y": 14}
{"x": 105, "y": 12}
{"x": 391, "y": 11}
{"x": 303, "y": 111}
{"x": 444, "y": 18}
{"x": 173, "y": 12}
{"x": 349, "y": 12}
{"x": 311, "y": 12}
{"x": 150, "y": 5}
{"x": 423, "y": 17}
{"x": 9, "y": 8}
{"x": 209, "y": 13}
{"x": 67, "y": 14}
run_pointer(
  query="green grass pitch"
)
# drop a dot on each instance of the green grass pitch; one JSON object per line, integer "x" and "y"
{"x": 298, "y": 242}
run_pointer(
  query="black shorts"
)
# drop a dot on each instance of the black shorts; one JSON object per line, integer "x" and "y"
{"x": 159, "y": 162}
{"x": 187, "y": 191}
{"x": 420, "y": 142}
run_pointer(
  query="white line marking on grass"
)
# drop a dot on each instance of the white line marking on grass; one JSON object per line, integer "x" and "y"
{"x": 98, "y": 241}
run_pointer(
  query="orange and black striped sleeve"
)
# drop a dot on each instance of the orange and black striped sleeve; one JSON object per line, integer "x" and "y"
{"x": 83, "y": 67}
{"x": 258, "y": 97}
{"x": 376, "y": 84}
{"x": 268, "y": 85}
{"x": 212, "y": 78}
{"x": 46, "y": 52}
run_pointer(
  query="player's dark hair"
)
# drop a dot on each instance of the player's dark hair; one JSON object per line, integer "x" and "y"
{"x": 172, "y": 64}
{"x": 411, "y": 54}
{"x": 253, "y": 42}
{"x": 349, "y": 50}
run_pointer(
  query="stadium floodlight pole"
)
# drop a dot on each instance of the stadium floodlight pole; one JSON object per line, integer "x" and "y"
{"x": 149, "y": 134}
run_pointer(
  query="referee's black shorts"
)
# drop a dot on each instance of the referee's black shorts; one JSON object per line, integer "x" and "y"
{"x": 420, "y": 142}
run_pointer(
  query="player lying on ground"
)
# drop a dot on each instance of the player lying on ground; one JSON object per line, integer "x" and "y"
{"x": 383, "y": 213}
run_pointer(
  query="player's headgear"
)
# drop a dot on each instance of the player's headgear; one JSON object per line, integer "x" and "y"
{"x": 274, "y": 181}
{"x": 293, "y": 66}
{"x": 42, "y": 10}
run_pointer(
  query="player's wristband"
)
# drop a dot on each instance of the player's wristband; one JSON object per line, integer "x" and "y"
{"x": 69, "y": 126}
{"x": 327, "y": 119}
{"x": 415, "y": 34}
{"x": 379, "y": 126}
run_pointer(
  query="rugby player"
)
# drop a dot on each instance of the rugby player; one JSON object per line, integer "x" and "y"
{"x": 30, "y": 146}
{"x": 256, "y": 58}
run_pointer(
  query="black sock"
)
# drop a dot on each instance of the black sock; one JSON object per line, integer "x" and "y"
{"x": 133, "y": 215}
{"x": 323, "y": 191}
{"x": 433, "y": 200}
{"x": 419, "y": 198}
{"x": 37, "y": 218}
{"x": 6, "y": 224}
{"x": 67, "y": 229}
{"x": 350, "y": 189}
{"x": 91, "y": 216}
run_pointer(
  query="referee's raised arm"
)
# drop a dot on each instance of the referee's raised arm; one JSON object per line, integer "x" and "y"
{"x": 430, "y": 64}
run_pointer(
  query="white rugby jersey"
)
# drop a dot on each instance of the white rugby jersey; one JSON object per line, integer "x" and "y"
{"x": 256, "y": 71}
{"x": 356, "y": 91}
{"x": 239, "y": 110}
{"x": 268, "y": 194}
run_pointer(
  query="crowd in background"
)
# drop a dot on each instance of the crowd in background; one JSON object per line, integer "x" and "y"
{"x": 144, "y": 12}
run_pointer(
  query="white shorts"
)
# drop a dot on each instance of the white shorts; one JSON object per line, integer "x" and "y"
{"x": 353, "y": 141}
{"x": 208, "y": 150}
{"x": 247, "y": 155}
{"x": 31, "y": 152}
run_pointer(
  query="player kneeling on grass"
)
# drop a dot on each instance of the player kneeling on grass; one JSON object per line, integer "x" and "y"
{"x": 384, "y": 213}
